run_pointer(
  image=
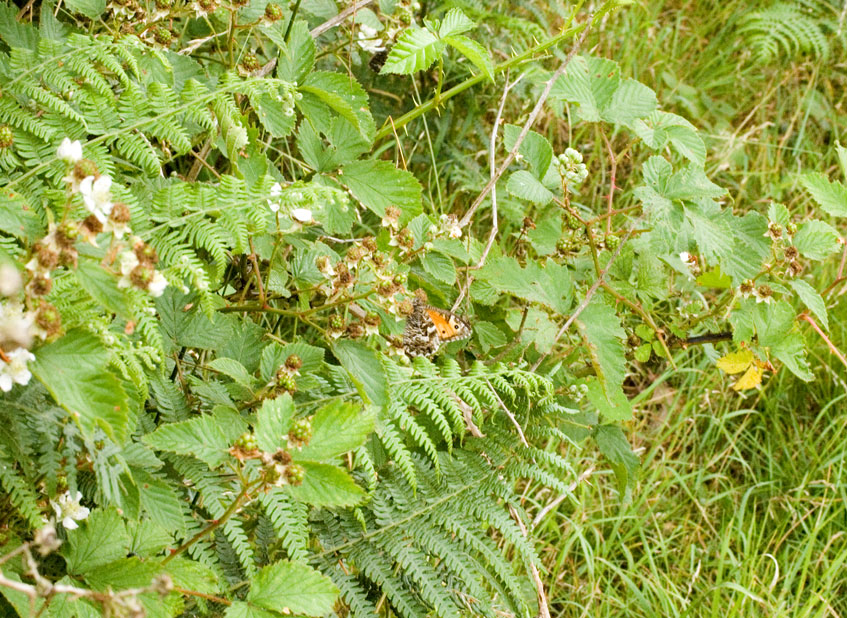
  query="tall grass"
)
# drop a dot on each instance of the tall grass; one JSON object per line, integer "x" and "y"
{"x": 740, "y": 508}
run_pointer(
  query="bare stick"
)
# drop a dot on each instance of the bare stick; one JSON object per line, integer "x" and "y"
{"x": 332, "y": 23}
{"x": 543, "y": 512}
{"x": 509, "y": 414}
{"x": 492, "y": 149}
{"x": 525, "y": 130}
{"x": 832, "y": 347}
{"x": 543, "y": 610}
{"x": 585, "y": 301}
{"x": 612, "y": 187}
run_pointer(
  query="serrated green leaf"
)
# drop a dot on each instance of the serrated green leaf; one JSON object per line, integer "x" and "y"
{"x": 791, "y": 350}
{"x": 816, "y": 240}
{"x": 773, "y": 322}
{"x": 379, "y": 184}
{"x": 830, "y": 195}
{"x": 326, "y": 485}
{"x": 612, "y": 404}
{"x": 207, "y": 437}
{"x": 631, "y": 100}
{"x": 488, "y": 335}
{"x": 714, "y": 278}
{"x": 549, "y": 285}
{"x": 474, "y": 52}
{"x": 524, "y": 185}
{"x": 337, "y": 428}
{"x": 90, "y": 8}
{"x": 270, "y": 114}
{"x": 535, "y": 149}
{"x": 292, "y": 588}
{"x": 365, "y": 369}
{"x": 601, "y": 329}
{"x": 659, "y": 128}
{"x": 74, "y": 370}
{"x": 612, "y": 443}
{"x": 455, "y": 22}
{"x": 548, "y": 230}
{"x": 811, "y": 299}
{"x": 147, "y": 538}
{"x": 416, "y": 49}
{"x": 297, "y": 56}
{"x": 273, "y": 421}
{"x": 122, "y": 574}
{"x": 439, "y": 266}
{"x": 99, "y": 540}
{"x": 232, "y": 368}
{"x": 778, "y": 213}
{"x": 275, "y": 355}
{"x": 103, "y": 287}
{"x": 240, "y": 609}
{"x": 589, "y": 82}
{"x": 751, "y": 247}
{"x": 160, "y": 501}
{"x": 323, "y": 90}
{"x": 18, "y": 218}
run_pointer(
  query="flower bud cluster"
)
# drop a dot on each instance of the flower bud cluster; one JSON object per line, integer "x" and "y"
{"x": 571, "y": 167}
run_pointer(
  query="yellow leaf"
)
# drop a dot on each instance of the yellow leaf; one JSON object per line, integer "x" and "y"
{"x": 751, "y": 379}
{"x": 735, "y": 362}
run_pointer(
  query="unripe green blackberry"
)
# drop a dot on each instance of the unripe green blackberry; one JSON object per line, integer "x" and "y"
{"x": 385, "y": 288}
{"x": 573, "y": 223}
{"x": 336, "y": 322}
{"x": 273, "y": 12}
{"x": 400, "y": 279}
{"x": 612, "y": 242}
{"x": 563, "y": 245}
{"x": 163, "y": 36}
{"x": 295, "y": 473}
{"x": 301, "y": 430}
{"x": 250, "y": 63}
{"x": 293, "y": 362}
{"x": 287, "y": 382}
{"x": 7, "y": 138}
{"x": 791, "y": 227}
{"x": 247, "y": 441}
{"x": 66, "y": 234}
{"x": 85, "y": 168}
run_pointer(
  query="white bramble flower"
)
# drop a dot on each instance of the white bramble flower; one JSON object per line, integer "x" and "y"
{"x": 128, "y": 263}
{"x": 97, "y": 196}
{"x": 118, "y": 229}
{"x": 273, "y": 201}
{"x": 69, "y": 510}
{"x": 16, "y": 370}
{"x": 69, "y": 151}
{"x": 303, "y": 215}
{"x": 16, "y": 326}
{"x": 368, "y": 39}
{"x": 450, "y": 225}
{"x": 685, "y": 257}
{"x": 157, "y": 285}
{"x": 10, "y": 280}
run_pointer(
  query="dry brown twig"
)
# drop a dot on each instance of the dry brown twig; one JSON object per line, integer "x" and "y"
{"x": 490, "y": 187}
{"x": 526, "y": 127}
{"x": 332, "y": 23}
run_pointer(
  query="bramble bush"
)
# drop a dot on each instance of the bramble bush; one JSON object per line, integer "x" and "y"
{"x": 214, "y": 218}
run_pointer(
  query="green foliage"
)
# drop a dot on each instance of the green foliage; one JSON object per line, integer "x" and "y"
{"x": 207, "y": 256}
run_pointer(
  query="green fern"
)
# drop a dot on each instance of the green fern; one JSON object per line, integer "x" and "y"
{"x": 790, "y": 29}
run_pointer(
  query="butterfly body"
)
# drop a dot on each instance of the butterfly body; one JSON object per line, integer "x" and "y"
{"x": 428, "y": 328}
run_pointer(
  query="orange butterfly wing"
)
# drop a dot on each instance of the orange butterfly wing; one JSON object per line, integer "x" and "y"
{"x": 445, "y": 327}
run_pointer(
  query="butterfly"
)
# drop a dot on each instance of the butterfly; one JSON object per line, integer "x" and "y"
{"x": 429, "y": 327}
